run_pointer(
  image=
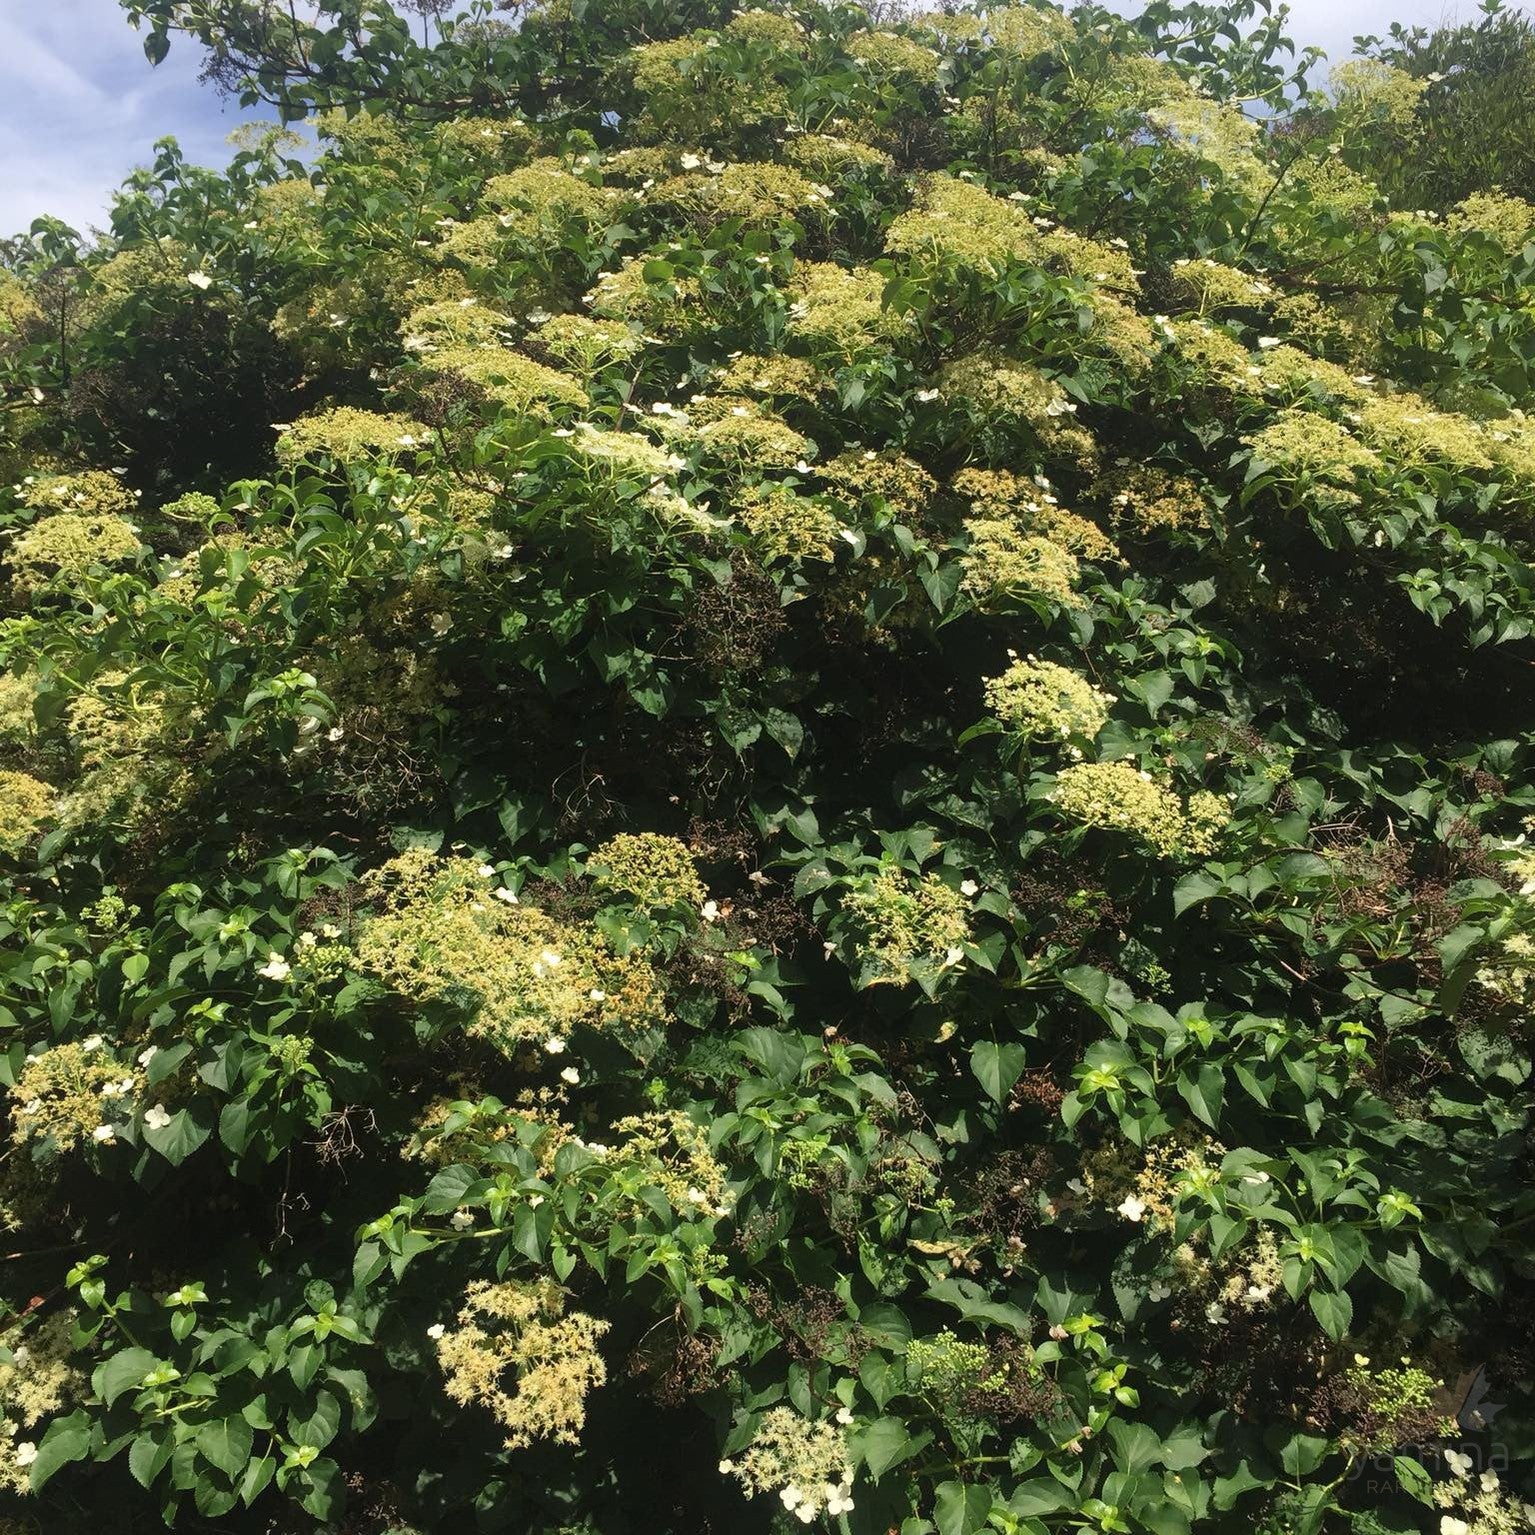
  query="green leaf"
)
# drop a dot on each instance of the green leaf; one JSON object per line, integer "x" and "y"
{"x": 1226, "y": 1231}
{"x": 1184, "y": 1448}
{"x": 326, "y": 1490}
{"x": 1458, "y": 943}
{"x": 881, "y": 1445}
{"x": 974, "y": 1302}
{"x": 530, "y": 1230}
{"x": 226, "y": 1443}
{"x": 222, "y": 1068}
{"x": 1163, "y": 1518}
{"x": 213, "y": 1501}
{"x": 886, "y": 1326}
{"x": 303, "y": 1363}
{"x": 785, "y": 729}
{"x": 1230, "y": 1488}
{"x": 1039, "y": 1497}
{"x": 1299, "y": 1454}
{"x": 179, "y": 1139}
{"x": 997, "y": 1067}
{"x": 517, "y": 819}
{"x": 235, "y": 1125}
{"x": 1154, "y": 689}
{"x": 1201, "y": 1090}
{"x": 322, "y": 1424}
{"x": 68, "y": 1439}
{"x": 1413, "y": 1479}
{"x": 360, "y": 1397}
{"x": 654, "y": 696}
{"x": 1256, "y": 1085}
{"x": 942, "y": 583}
{"x": 961, "y": 1509}
{"x": 1334, "y": 1310}
{"x": 163, "y": 1062}
{"x": 1297, "y": 868}
{"x": 258, "y": 1473}
{"x": 370, "y": 1262}
{"x": 1088, "y": 982}
{"x": 1195, "y": 889}
{"x": 1136, "y": 1445}
{"x": 740, "y": 732}
{"x": 778, "y": 1055}
{"x": 447, "y": 1189}
{"x": 986, "y": 727}
{"x": 122, "y": 1372}
{"x": 148, "y": 1454}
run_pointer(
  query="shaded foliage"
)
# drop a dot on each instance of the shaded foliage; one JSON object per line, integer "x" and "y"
{"x": 771, "y": 769}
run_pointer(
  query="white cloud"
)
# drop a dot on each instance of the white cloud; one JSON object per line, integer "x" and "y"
{"x": 30, "y": 66}
{"x": 81, "y": 107}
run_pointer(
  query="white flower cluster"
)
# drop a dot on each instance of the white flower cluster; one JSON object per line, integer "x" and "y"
{"x": 831, "y": 1498}
{"x": 805, "y": 1463}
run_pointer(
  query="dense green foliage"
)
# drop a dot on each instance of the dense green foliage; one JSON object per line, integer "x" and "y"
{"x": 770, "y": 769}
{"x": 1470, "y": 131}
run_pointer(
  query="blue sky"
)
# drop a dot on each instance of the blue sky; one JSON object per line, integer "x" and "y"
{"x": 80, "y": 105}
